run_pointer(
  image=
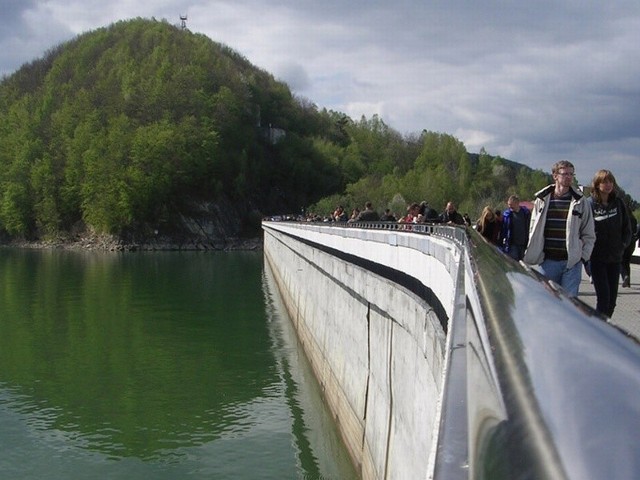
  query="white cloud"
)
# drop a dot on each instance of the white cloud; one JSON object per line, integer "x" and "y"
{"x": 294, "y": 75}
{"x": 533, "y": 82}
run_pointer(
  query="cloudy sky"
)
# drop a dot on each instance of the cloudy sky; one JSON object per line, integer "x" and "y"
{"x": 534, "y": 81}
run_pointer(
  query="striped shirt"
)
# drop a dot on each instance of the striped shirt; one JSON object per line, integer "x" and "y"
{"x": 555, "y": 228}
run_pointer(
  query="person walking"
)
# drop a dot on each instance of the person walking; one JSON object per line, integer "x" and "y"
{"x": 625, "y": 267}
{"x": 489, "y": 226}
{"x": 561, "y": 234}
{"x": 354, "y": 215}
{"x": 429, "y": 214}
{"x": 515, "y": 228}
{"x": 368, "y": 214}
{"x": 339, "y": 215}
{"x": 388, "y": 216}
{"x": 413, "y": 211}
{"x": 613, "y": 234}
{"x": 451, "y": 215}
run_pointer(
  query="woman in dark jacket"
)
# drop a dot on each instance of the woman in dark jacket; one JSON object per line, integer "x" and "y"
{"x": 628, "y": 252}
{"x": 613, "y": 234}
{"x": 489, "y": 226}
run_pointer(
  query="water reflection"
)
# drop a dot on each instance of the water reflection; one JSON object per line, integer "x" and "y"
{"x": 136, "y": 359}
{"x": 316, "y": 436}
{"x": 164, "y": 359}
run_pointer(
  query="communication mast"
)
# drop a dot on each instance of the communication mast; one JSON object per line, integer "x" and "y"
{"x": 183, "y": 22}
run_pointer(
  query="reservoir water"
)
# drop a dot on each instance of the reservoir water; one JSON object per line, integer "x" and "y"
{"x": 164, "y": 365}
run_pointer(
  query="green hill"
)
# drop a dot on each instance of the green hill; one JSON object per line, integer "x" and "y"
{"x": 132, "y": 127}
{"x": 143, "y": 130}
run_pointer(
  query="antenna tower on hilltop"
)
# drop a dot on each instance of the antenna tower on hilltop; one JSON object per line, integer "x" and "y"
{"x": 183, "y": 22}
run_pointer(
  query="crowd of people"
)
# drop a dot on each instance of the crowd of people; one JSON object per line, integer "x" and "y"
{"x": 415, "y": 213}
{"x": 564, "y": 233}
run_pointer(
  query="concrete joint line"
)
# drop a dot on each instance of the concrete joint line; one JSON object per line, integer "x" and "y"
{"x": 366, "y": 391}
{"x": 390, "y": 421}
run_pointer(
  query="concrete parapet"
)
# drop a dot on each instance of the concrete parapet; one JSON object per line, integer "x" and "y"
{"x": 377, "y": 348}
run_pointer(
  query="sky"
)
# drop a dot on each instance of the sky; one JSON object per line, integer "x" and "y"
{"x": 534, "y": 82}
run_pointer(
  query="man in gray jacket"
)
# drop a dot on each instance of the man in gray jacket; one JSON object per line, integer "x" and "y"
{"x": 561, "y": 235}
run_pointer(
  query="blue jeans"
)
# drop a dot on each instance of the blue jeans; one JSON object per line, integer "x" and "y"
{"x": 569, "y": 279}
{"x": 605, "y": 283}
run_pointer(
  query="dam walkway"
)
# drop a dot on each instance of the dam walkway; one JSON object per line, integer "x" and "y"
{"x": 627, "y": 312}
{"x": 441, "y": 358}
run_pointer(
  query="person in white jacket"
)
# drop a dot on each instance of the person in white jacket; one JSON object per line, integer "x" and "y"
{"x": 561, "y": 234}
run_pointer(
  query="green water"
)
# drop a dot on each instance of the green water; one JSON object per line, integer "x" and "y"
{"x": 154, "y": 365}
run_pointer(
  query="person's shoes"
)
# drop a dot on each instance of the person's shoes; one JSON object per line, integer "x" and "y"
{"x": 626, "y": 281}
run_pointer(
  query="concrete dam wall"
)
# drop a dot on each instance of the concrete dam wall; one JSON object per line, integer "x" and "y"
{"x": 440, "y": 358}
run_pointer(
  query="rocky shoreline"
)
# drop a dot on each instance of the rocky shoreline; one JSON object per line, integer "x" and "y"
{"x": 209, "y": 226}
{"x": 110, "y": 243}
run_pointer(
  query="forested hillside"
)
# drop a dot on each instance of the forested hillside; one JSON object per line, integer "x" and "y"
{"x": 134, "y": 126}
{"x": 142, "y": 128}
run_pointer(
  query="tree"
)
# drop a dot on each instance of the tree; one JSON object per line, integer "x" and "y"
{"x": 45, "y": 193}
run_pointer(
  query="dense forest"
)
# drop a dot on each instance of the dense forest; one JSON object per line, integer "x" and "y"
{"x": 137, "y": 126}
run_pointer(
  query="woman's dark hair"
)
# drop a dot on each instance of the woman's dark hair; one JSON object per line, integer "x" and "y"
{"x": 600, "y": 177}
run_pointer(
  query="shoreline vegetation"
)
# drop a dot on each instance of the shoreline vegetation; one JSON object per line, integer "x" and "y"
{"x": 112, "y": 243}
